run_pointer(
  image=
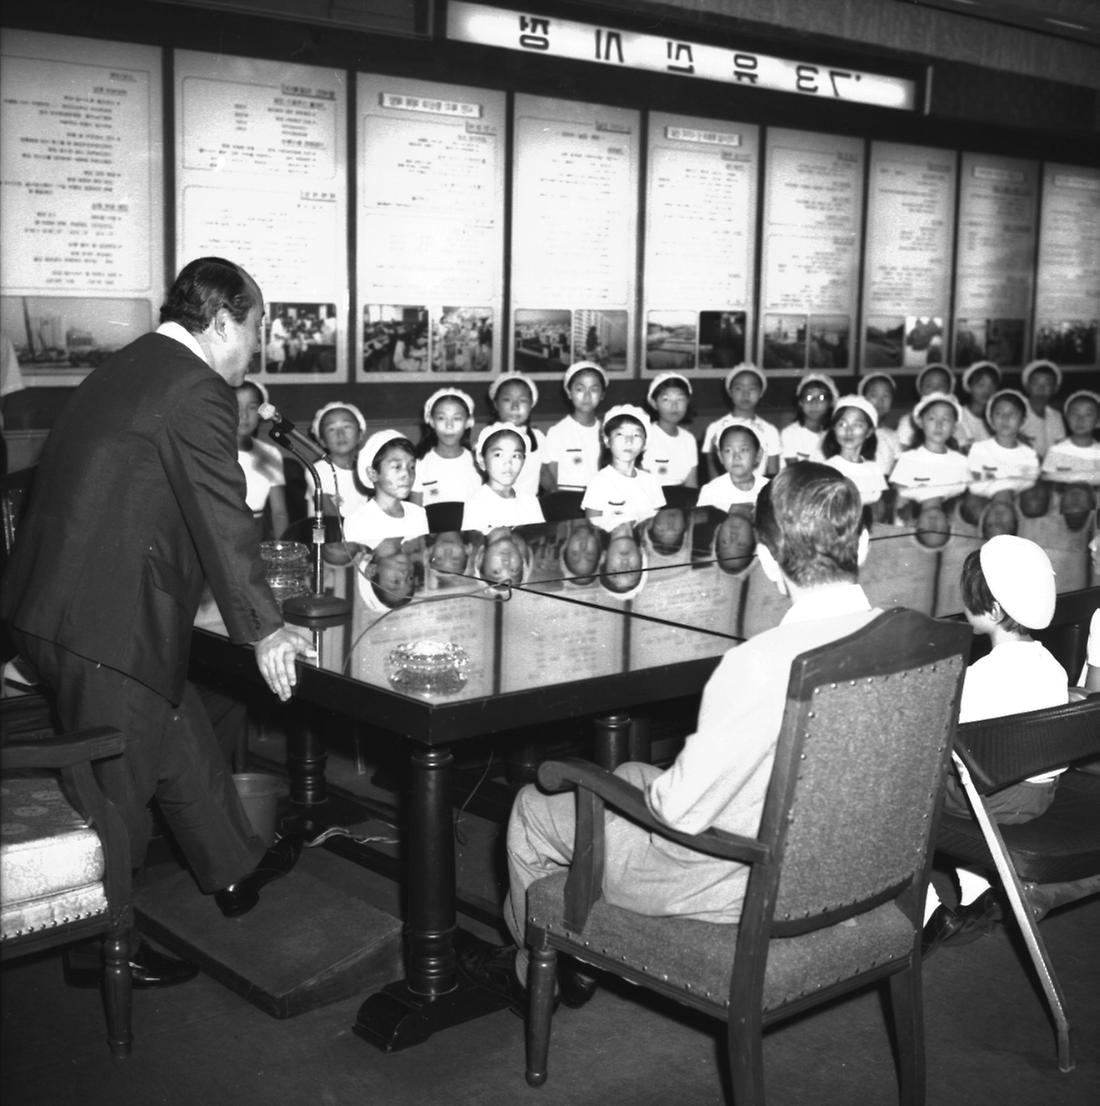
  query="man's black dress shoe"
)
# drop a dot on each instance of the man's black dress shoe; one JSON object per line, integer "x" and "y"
{"x": 943, "y": 924}
{"x": 83, "y": 966}
{"x": 240, "y": 897}
{"x": 962, "y": 925}
{"x": 492, "y": 968}
{"x": 575, "y": 982}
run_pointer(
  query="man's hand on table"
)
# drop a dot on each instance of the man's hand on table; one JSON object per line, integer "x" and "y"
{"x": 276, "y": 655}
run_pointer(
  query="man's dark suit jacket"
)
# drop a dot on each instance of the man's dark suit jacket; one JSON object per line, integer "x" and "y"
{"x": 137, "y": 499}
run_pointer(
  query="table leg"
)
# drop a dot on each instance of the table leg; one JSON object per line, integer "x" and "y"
{"x": 433, "y": 995}
{"x": 306, "y": 757}
{"x": 612, "y": 743}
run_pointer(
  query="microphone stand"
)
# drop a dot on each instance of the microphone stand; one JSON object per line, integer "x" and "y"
{"x": 318, "y": 610}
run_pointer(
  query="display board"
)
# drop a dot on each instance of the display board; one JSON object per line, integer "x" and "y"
{"x": 1067, "y": 296}
{"x": 700, "y": 243}
{"x": 574, "y": 235}
{"x": 908, "y": 255}
{"x": 995, "y": 259}
{"x": 813, "y": 197}
{"x": 81, "y": 211}
{"x": 430, "y": 229}
{"x": 261, "y": 179}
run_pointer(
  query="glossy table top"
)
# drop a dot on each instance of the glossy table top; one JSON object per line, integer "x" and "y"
{"x": 460, "y": 633}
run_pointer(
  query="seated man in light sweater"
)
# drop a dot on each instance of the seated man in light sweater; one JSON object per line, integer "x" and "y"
{"x": 811, "y": 546}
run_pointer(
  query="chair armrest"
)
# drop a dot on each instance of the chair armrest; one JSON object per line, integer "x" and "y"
{"x": 559, "y": 775}
{"x": 595, "y": 787}
{"x": 62, "y": 751}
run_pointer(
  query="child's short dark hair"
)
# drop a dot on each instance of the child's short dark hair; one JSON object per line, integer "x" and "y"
{"x": 394, "y": 444}
{"x": 810, "y": 519}
{"x": 976, "y": 596}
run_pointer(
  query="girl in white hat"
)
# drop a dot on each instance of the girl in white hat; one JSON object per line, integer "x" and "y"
{"x": 933, "y": 470}
{"x": 260, "y": 461}
{"x": 622, "y": 491}
{"x": 445, "y": 470}
{"x": 979, "y": 382}
{"x": 814, "y": 399}
{"x": 340, "y": 428}
{"x": 1076, "y": 459}
{"x": 745, "y": 385}
{"x": 1003, "y": 464}
{"x": 1044, "y": 425}
{"x": 514, "y": 397}
{"x": 573, "y": 443}
{"x": 849, "y": 446}
{"x": 672, "y": 454}
{"x": 500, "y": 452}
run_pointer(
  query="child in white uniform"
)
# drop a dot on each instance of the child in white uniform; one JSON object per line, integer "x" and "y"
{"x": 387, "y": 464}
{"x": 1076, "y": 459}
{"x": 979, "y": 382}
{"x": 933, "y": 378}
{"x": 814, "y": 399}
{"x": 445, "y": 470}
{"x": 573, "y": 443}
{"x": 849, "y": 447}
{"x": 1003, "y": 464}
{"x": 879, "y": 389}
{"x": 500, "y": 453}
{"x": 514, "y": 396}
{"x": 261, "y": 462}
{"x": 739, "y": 451}
{"x": 340, "y": 429}
{"x": 745, "y": 385}
{"x": 672, "y": 454}
{"x": 1044, "y": 425}
{"x": 622, "y": 490}
{"x": 932, "y": 470}
{"x": 1009, "y": 593}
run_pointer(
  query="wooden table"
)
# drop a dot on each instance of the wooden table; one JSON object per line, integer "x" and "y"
{"x": 549, "y": 649}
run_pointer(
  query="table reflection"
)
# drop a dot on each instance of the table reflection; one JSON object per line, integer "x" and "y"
{"x": 541, "y": 605}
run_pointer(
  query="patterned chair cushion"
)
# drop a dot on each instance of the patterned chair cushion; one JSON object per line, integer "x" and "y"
{"x": 51, "y": 862}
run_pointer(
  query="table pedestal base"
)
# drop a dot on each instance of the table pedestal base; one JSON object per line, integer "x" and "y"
{"x": 395, "y": 1018}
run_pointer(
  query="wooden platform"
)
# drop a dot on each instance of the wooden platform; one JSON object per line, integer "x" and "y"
{"x": 312, "y": 940}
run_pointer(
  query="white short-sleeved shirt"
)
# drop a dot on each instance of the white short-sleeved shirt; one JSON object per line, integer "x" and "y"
{"x": 887, "y": 448}
{"x": 920, "y": 474}
{"x": 723, "y": 493}
{"x": 866, "y": 475}
{"x": 1043, "y": 432}
{"x": 797, "y": 443}
{"x": 446, "y": 479}
{"x": 970, "y": 428}
{"x": 575, "y": 449}
{"x": 670, "y": 457}
{"x": 341, "y": 487}
{"x": 993, "y": 468}
{"x": 770, "y": 445}
{"x": 1013, "y": 677}
{"x": 485, "y": 510}
{"x": 263, "y": 470}
{"x": 528, "y": 479}
{"x": 1069, "y": 463}
{"x": 626, "y": 497}
{"x": 370, "y": 525}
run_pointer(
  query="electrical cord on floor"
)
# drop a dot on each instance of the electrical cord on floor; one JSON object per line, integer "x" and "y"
{"x": 357, "y": 838}
{"x": 460, "y": 837}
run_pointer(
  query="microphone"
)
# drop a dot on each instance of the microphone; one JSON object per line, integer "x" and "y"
{"x": 285, "y": 427}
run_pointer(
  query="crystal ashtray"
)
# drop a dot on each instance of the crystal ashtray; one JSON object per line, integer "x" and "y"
{"x": 428, "y": 667}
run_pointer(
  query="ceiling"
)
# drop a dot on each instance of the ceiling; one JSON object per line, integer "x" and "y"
{"x": 1078, "y": 20}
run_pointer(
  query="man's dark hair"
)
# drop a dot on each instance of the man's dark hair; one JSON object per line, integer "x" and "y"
{"x": 203, "y": 287}
{"x": 809, "y": 517}
{"x": 976, "y": 596}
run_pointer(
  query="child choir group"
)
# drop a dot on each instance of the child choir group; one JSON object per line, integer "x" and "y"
{"x": 982, "y": 455}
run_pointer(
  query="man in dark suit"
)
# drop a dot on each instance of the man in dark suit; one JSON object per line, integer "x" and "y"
{"x": 139, "y": 500}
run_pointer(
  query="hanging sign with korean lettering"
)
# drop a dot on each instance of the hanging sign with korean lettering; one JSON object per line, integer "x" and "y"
{"x": 534, "y": 33}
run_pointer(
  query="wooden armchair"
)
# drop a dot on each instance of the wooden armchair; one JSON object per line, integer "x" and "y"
{"x": 65, "y": 857}
{"x": 838, "y": 869}
{"x": 1053, "y": 859}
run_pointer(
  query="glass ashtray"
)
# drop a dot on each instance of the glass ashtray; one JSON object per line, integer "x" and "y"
{"x": 428, "y": 667}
